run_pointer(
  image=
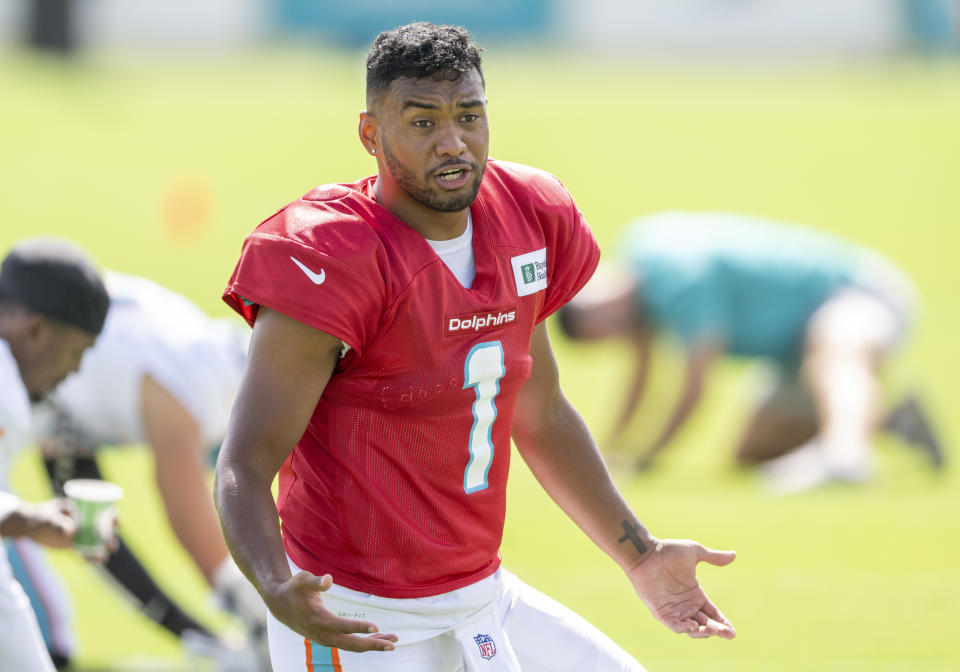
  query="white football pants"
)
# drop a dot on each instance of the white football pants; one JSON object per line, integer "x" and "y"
{"x": 522, "y": 629}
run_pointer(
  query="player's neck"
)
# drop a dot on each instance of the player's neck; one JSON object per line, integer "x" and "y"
{"x": 429, "y": 223}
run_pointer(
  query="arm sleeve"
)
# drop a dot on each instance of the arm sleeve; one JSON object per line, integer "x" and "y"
{"x": 331, "y": 283}
{"x": 573, "y": 256}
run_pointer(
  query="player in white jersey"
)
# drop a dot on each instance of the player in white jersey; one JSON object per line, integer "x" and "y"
{"x": 21, "y": 643}
{"x": 162, "y": 374}
{"x": 52, "y": 306}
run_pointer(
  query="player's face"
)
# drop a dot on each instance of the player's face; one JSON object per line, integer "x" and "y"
{"x": 49, "y": 353}
{"x": 434, "y": 138}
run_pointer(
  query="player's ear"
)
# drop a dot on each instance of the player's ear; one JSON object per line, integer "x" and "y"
{"x": 368, "y": 131}
{"x": 38, "y": 329}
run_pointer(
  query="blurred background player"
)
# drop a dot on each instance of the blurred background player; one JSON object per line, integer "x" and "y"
{"x": 825, "y": 312}
{"x": 163, "y": 374}
{"x": 52, "y": 306}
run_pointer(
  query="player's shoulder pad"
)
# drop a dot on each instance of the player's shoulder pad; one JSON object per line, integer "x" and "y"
{"x": 333, "y": 219}
{"x": 540, "y": 188}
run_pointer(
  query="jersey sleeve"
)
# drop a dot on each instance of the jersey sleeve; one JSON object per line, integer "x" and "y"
{"x": 316, "y": 271}
{"x": 8, "y": 504}
{"x": 573, "y": 254}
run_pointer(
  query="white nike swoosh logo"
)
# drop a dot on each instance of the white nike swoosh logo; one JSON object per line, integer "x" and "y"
{"x": 315, "y": 278}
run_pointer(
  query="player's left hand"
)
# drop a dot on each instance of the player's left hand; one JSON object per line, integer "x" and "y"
{"x": 666, "y": 581}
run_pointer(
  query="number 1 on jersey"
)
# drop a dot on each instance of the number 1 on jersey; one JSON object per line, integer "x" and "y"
{"x": 482, "y": 371}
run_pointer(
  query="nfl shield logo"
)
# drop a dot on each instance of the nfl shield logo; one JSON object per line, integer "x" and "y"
{"x": 487, "y": 648}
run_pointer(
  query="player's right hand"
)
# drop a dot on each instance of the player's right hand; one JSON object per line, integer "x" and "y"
{"x": 297, "y": 603}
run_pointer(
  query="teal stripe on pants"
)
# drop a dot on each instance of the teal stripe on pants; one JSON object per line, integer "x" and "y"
{"x": 23, "y": 578}
{"x": 322, "y": 658}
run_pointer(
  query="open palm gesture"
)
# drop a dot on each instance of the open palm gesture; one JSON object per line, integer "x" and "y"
{"x": 666, "y": 580}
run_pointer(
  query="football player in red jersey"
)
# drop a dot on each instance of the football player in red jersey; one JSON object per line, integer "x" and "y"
{"x": 398, "y": 344}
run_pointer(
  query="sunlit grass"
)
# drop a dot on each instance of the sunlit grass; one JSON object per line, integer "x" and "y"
{"x": 844, "y": 579}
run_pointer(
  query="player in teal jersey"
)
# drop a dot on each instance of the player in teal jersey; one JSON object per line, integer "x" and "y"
{"x": 826, "y": 313}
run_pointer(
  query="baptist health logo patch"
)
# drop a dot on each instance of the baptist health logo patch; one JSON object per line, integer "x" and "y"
{"x": 530, "y": 271}
{"x": 487, "y": 648}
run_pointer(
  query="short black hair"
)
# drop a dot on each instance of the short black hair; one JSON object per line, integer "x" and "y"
{"x": 58, "y": 279}
{"x": 419, "y": 50}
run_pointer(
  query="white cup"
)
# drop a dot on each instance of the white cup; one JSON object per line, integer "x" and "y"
{"x": 93, "y": 502}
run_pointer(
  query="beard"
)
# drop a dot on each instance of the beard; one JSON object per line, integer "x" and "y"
{"x": 418, "y": 190}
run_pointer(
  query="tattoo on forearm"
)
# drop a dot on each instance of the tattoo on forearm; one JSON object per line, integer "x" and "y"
{"x": 632, "y": 536}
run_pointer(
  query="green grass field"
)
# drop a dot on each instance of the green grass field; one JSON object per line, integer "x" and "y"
{"x": 161, "y": 168}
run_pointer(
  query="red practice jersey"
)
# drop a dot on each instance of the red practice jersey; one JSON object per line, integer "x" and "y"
{"x": 398, "y": 485}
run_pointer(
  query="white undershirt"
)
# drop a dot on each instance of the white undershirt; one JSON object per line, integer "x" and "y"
{"x": 457, "y": 254}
